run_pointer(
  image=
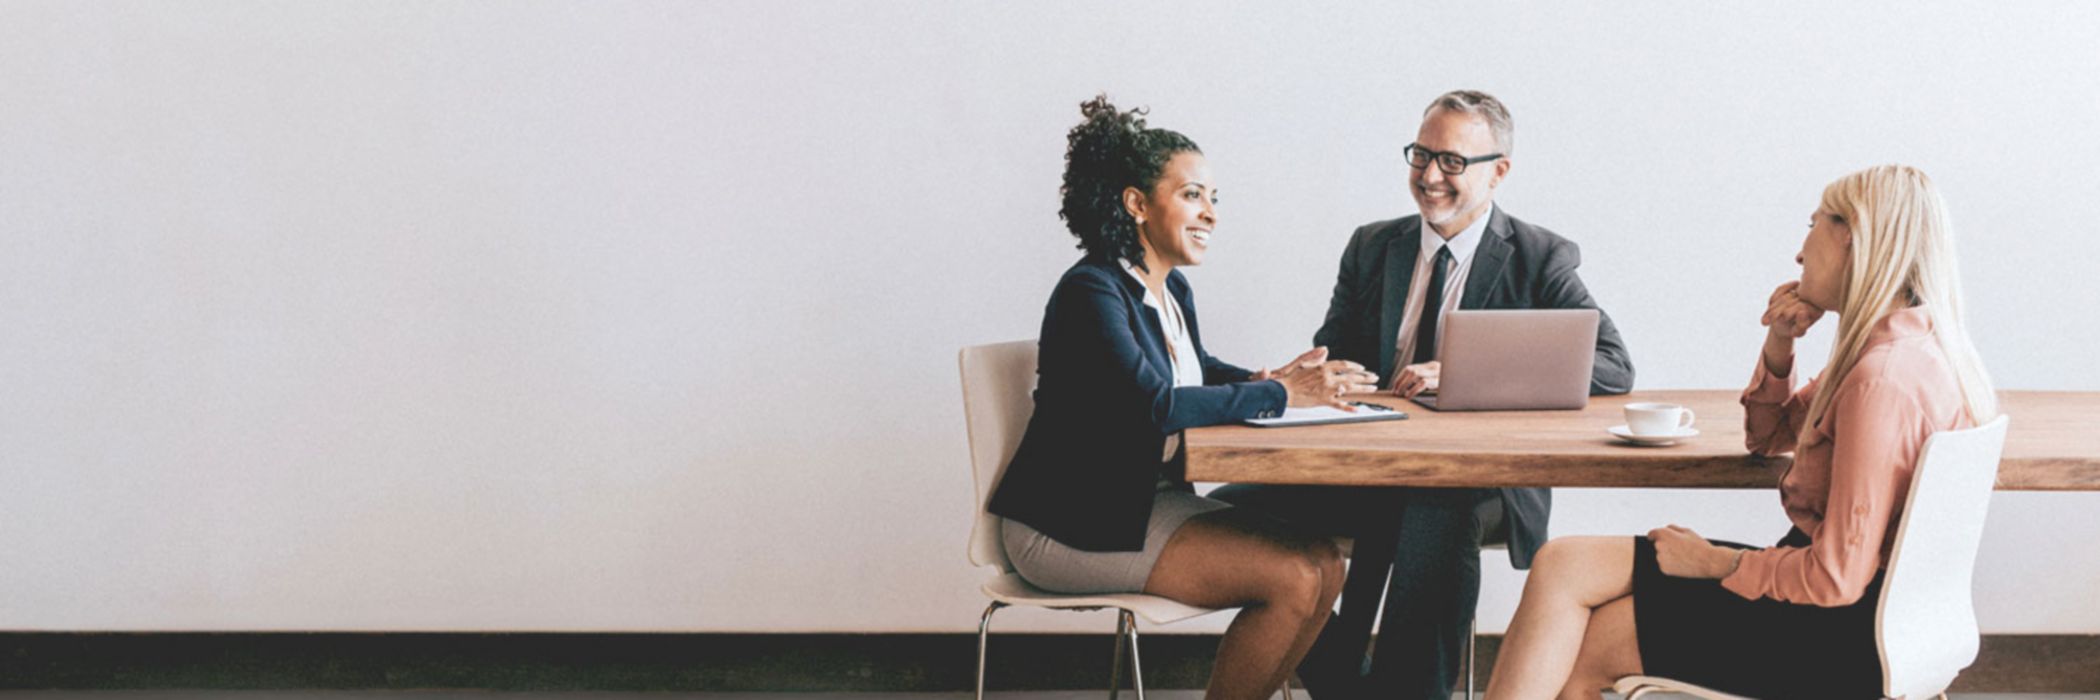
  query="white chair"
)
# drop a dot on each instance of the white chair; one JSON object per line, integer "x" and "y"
{"x": 1925, "y": 625}
{"x": 1635, "y": 687}
{"x": 997, "y": 381}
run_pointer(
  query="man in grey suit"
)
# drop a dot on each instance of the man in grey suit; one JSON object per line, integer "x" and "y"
{"x": 1398, "y": 277}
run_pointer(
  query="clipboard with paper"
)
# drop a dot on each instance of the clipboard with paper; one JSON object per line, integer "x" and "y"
{"x": 1329, "y": 415}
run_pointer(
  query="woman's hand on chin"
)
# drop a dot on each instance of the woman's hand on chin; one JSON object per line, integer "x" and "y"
{"x": 1787, "y": 314}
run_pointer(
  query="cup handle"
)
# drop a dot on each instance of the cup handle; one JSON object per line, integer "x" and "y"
{"x": 1686, "y": 422}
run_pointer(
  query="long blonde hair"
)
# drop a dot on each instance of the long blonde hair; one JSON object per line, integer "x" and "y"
{"x": 1902, "y": 254}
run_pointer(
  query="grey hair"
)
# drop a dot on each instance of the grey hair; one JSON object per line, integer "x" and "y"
{"x": 1484, "y": 106}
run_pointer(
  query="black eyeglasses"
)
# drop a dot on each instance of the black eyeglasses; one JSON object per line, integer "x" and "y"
{"x": 1451, "y": 163}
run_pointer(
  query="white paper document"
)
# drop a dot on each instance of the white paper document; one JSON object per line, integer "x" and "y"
{"x": 1324, "y": 415}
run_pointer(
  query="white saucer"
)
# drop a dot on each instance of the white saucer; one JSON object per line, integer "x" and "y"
{"x": 1620, "y": 432}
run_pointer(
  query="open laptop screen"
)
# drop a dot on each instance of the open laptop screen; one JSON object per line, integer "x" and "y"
{"x": 1515, "y": 359}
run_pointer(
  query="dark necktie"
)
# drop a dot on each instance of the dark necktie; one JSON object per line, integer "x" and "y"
{"x": 1432, "y": 306}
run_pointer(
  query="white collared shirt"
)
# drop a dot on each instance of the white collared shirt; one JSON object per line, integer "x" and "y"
{"x": 1462, "y": 247}
{"x": 1173, "y": 324}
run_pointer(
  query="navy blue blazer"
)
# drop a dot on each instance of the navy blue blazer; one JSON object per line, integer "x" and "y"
{"x": 1105, "y": 404}
{"x": 1517, "y": 266}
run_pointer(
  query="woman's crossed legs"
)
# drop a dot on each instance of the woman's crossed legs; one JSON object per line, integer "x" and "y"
{"x": 1573, "y": 634}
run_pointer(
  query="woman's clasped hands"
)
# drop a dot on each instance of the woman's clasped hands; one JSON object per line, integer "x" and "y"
{"x": 1313, "y": 380}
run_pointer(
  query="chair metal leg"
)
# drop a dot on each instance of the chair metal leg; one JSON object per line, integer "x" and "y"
{"x": 1137, "y": 668}
{"x": 1472, "y": 637}
{"x": 1115, "y": 671}
{"x": 984, "y": 629}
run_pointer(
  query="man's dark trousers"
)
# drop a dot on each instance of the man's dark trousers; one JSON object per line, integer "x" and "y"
{"x": 1426, "y": 541}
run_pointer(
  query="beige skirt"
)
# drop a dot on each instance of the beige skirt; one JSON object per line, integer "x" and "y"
{"x": 1052, "y": 566}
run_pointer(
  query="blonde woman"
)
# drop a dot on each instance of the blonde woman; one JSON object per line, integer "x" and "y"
{"x": 1794, "y": 620}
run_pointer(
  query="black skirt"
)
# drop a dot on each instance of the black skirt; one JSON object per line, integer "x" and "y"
{"x": 1695, "y": 631}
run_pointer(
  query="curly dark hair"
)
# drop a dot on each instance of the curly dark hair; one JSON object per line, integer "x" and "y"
{"x": 1108, "y": 152}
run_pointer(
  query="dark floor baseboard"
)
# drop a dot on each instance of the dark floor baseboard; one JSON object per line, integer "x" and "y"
{"x": 737, "y": 662}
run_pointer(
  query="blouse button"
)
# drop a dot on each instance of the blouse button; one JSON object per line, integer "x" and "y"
{"x": 1859, "y": 510}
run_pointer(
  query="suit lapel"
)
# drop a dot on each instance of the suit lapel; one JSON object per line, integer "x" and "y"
{"x": 1400, "y": 256}
{"x": 1488, "y": 261}
{"x": 1151, "y": 337}
{"x": 1177, "y": 294}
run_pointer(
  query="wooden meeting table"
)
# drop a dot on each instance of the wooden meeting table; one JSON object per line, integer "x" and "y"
{"x": 2053, "y": 445}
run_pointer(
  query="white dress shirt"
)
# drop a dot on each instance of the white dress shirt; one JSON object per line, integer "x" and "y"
{"x": 1173, "y": 321}
{"x": 1462, "y": 247}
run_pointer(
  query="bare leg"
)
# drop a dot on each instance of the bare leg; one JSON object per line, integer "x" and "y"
{"x": 1609, "y": 652}
{"x": 1284, "y": 582}
{"x": 1570, "y": 578}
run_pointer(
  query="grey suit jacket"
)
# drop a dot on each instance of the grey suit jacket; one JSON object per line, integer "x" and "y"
{"x": 1517, "y": 266}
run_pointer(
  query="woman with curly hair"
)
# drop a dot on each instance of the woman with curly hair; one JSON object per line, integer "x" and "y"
{"x": 1795, "y": 620}
{"x": 1094, "y": 500}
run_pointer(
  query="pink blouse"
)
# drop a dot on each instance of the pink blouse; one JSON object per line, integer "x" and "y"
{"x": 1846, "y": 491}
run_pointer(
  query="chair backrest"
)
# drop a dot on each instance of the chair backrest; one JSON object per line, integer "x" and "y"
{"x": 998, "y": 384}
{"x": 1926, "y": 623}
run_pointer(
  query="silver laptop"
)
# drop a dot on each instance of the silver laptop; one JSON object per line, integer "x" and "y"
{"x": 1514, "y": 359}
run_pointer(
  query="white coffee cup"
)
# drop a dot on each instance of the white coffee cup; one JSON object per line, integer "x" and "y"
{"x": 1657, "y": 418}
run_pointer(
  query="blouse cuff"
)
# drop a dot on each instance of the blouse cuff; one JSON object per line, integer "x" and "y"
{"x": 1768, "y": 388}
{"x": 1751, "y": 569}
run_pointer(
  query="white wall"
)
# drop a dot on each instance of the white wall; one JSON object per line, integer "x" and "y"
{"x": 598, "y": 316}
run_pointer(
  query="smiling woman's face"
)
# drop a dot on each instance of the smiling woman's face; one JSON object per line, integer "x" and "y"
{"x": 1179, "y": 213}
